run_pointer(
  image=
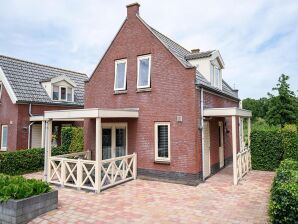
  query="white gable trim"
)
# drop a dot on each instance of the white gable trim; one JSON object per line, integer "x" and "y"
{"x": 216, "y": 55}
{"x": 8, "y": 87}
{"x": 63, "y": 78}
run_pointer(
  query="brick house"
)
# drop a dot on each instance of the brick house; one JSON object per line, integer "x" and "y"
{"x": 27, "y": 90}
{"x": 162, "y": 107}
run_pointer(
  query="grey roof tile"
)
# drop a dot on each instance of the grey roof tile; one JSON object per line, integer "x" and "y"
{"x": 198, "y": 55}
{"x": 25, "y": 79}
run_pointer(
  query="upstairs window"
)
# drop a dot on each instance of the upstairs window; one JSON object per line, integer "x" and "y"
{"x": 120, "y": 75}
{"x": 1, "y": 87}
{"x": 144, "y": 67}
{"x": 162, "y": 141}
{"x": 216, "y": 76}
{"x": 62, "y": 93}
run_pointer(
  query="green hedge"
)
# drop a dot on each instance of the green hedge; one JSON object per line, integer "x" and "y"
{"x": 25, "y": 161}
{"x": 283, "y": 208}
{"x": 73, "y": 139}
{"x": 18, "y": 187}
{"x": 270, "y": 145}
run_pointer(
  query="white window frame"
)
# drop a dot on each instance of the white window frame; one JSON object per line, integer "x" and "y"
{"x": 149, "y": 72}
{"x": 2, "y": 147}
{"x": 125, "y": 70}
{"x": 1, "y": 88}
{"x": 66, "y": 92}
{"x": 157, "y": 158}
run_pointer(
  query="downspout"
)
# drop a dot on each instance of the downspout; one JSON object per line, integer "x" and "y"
{"x": 29, "y": 127}
{"x": 202, "y": 129}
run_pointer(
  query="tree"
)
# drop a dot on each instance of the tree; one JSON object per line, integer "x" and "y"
{"x": 258, "y": 107}
{"x": 283, "y": 108}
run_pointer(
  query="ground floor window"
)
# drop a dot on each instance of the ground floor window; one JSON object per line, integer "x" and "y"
{"x": 162, "y": 141}
{"x": 4, "y": 137}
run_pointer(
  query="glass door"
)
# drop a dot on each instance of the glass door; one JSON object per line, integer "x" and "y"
{"x": 114, "y": 140}
{"x": 106, "y": 143}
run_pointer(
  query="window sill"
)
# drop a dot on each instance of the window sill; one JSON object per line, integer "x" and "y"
{"x": 143, "y": 90}
{"x": 165, "y": 162}
{"x": 119, "y": 92}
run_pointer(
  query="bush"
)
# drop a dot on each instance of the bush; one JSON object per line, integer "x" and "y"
{"x": 290, "y": 142}
{"x": 270, "y": 145}
{"x": 266, "y": 148}
{"x": 73, "y": 139}
{"x": 25, "y": 161}
{"x": 283, "y": 206}
{"x": 18, "y": 187}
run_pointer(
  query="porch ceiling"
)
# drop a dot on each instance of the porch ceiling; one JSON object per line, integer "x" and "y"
{"x": 225, "y": 112}
{"x": 92, "y": 113}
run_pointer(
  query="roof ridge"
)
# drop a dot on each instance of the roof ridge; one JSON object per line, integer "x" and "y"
{"x": 35, "y": 63}
{"x": 169, "y": 39}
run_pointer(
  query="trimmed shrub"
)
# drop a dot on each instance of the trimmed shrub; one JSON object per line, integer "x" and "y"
{"x": 18, "y": 187}
{"x": 266, "y": 149}
{"x": 283, "y": 206}
{"x": 25, "y": 161}
{"x": 73, "y": 139}
{"x": 290, "y": 142}
{"x": 270, "y": 145}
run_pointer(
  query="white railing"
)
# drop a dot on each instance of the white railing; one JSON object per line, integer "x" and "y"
{"x": 243, "y": 163}
{"x": 88, "y": 174}
{"x": 77, "y": 155}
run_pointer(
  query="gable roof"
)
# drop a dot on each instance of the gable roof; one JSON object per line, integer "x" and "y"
{"x": 184, "y": 55}
{"x": 25, "y": 79}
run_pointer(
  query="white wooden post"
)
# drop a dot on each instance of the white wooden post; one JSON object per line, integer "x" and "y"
{"x": 63, "y": 172}
{"x": 248, "y": 131}
{"x": 135, "y": 166}
{"x": 43, "y": 134}
{"x": 98, "y": 152}
{"x": 49, "y": 147}
{"x": 79, "y": 174}
{"x": 234, "y": 143}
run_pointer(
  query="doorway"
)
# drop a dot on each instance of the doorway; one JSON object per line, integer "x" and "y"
{"x": 221, "y": 145}
{"x": 114, "y": 140}
{"x": 206, "y": 170}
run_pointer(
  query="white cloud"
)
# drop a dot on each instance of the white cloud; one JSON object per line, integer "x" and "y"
{"x": 257, "y": 39}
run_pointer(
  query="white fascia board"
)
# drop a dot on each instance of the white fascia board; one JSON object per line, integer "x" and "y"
{"x": 216, "y": 55}
{"x": 91, "y": 113}
{"x": 224, "y": 112}
{"x": 8, "y": 87}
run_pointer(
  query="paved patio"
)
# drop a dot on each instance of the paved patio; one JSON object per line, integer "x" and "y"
{"x": 215, "y": 201}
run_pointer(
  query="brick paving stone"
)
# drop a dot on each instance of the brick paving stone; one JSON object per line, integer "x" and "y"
{"x": 141, "y": 201}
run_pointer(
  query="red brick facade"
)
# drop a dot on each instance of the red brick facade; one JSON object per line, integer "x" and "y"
{"x": 172, "y": 94}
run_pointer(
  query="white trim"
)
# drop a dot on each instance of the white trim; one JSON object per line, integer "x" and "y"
{"x": 162, "y": 159}
{"x": 2, "y": 147}
{"x": 125, "y": 71}
{"x": 92, "y": 113}
{"x": 63, "y": 78}
{"x": 149, "y": 71}
{"x": 8, "y": 87}
{"x": 1, "y": 87}
{"x": 228, "y": 111}
{"x": 113, "y": 127}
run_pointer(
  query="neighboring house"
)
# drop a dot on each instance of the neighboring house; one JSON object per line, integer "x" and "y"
{"x": 27, "y": 90}
{"x": 152, "y": 101}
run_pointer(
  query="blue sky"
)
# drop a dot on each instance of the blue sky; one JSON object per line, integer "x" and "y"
{"x": 258, "y": 40}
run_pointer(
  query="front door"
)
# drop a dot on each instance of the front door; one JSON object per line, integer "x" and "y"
{"x": 221, "y": 145}
{"x": 114, "y": 140}
{"x": 206, "y": 169}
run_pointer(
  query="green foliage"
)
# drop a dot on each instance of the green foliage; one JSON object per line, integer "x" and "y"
{"x": 270, "y": 145}
{"x": 25, "y": 161}
{"x": 266, "y": 148}
{"x": 283, "y": 207}
{"x": 17, "y": 187}
{"x": 73, "y": 139}
{"x": 258, "y": 107}
{"x": 290, "y": 142}
{"x": 283, "y": 108}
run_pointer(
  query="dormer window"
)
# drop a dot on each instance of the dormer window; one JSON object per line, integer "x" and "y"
{"x": 62, "y": 93}
{"x": 216, "y": 79}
